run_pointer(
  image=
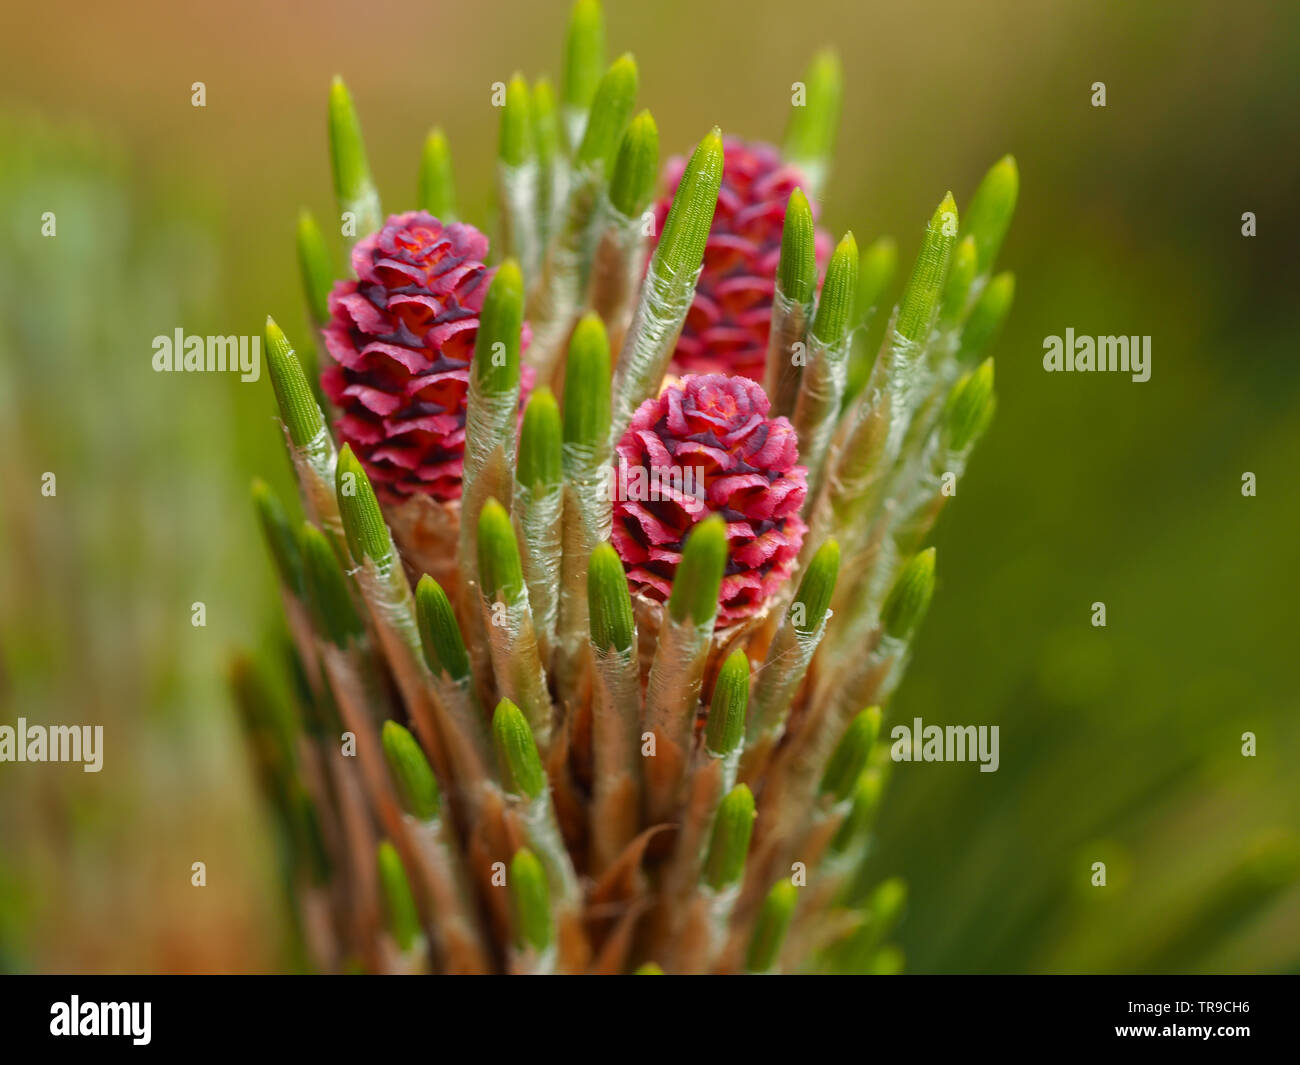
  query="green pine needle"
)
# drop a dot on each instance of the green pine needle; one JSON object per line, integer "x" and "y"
{"x": 415, "y": 783}
{"x": 437, "y": 187}
{"x": 274, "y": 521}
{"x": 540, "y": 446}
{"x": 546, "y": 122}
{"x": 866, "y": 797}
{"x": 316, "y": 265}
{"x": 970, "y": 406}
{"x": 515, "y": 146}
{"x": 609, "y": 603}
{"x": 991, "y": 208}
{"x": 332, "y": 608}
{"x": 444, "y": 649}
{"x": 399, "y": 903}
{"x": 839, "y": 290}
{"x": 961, "y": 275}
{"x": 363, "y": 521}
{"x": 499, "y": 567}
{"x": 636, "y": 168}
{"x": 699, "y": 574}
{"x": 816, "y": 588}
{"x": 584, "y": 54}
{"x": 810, "y": 134}
{"x": 496, "y": 350}
{"x": 610, "y": 111}
{"x": 530, "y": 899}
{"x": 547, "y": 141}
{"x": 796, "y": 272}
{"x": 726, "y": 723}
{"x": 347, "y": 151}
{"x": 686, "y": 229}
{"x": 299, "y": 410}
{"x": 352, "y": 183}
{"x": 732, "y": 827}
{"x": 849, "y": 758}
{"x": 987, "y": 317}
{"x": 771, "y": 926}
{"x": 921, "y": 297}
{"x": 909, "y": 598}
{"x": 587, "y": 386}
{"x": 521, "y": 765}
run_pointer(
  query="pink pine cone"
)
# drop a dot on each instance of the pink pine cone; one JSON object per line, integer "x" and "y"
{"x": 749, "y": 475}
{"x": 402, "y": 336}
{"x": 727, "y": 327}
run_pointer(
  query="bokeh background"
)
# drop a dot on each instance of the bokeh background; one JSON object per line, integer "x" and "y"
{"x": 1120, "y": 744}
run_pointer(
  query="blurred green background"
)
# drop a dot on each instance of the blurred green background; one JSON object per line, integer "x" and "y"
{"x": 1120, "y": 744}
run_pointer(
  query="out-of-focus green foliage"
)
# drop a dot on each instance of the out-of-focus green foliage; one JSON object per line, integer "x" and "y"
{"x": 98, "y": 579}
